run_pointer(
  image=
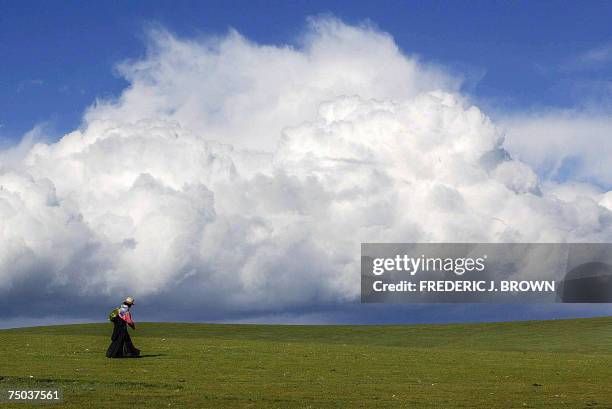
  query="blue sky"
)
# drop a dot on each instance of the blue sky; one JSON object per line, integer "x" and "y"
{"x": 265, "y": 225}
{"x": 58, "y": 57}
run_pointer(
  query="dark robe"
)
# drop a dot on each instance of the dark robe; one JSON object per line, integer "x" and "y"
{"x": 121, "y": 345}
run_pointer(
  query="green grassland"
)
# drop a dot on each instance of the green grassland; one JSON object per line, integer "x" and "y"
{"x": 534, "y": 364}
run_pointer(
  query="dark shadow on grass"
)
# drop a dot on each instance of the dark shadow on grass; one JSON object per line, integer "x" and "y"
{"x": 139, "y": 356}
{"x": 150, "y": 355}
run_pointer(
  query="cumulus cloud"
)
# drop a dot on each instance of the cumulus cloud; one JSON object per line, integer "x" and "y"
{"x": 563, "y": 145}
{"x": 239, "y": 92}
{"x": 236, "y": 178}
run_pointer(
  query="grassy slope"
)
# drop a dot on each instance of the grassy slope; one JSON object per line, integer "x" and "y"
{"x": 552, "y": 364}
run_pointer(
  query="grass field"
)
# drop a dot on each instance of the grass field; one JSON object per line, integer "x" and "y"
{"x": 537, "y": 364}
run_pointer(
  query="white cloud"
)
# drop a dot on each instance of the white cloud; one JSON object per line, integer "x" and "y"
{"x": 235, "y": 91}
{"x": 236, "y": 177}
{"x": 563, "y": 145}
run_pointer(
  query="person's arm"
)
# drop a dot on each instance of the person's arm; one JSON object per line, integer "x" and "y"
{"x": 128, "y": 318}
{"x": 125, "y": 315}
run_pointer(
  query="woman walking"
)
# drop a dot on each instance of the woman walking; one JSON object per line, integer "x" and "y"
{"x": 121, "y": 344}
